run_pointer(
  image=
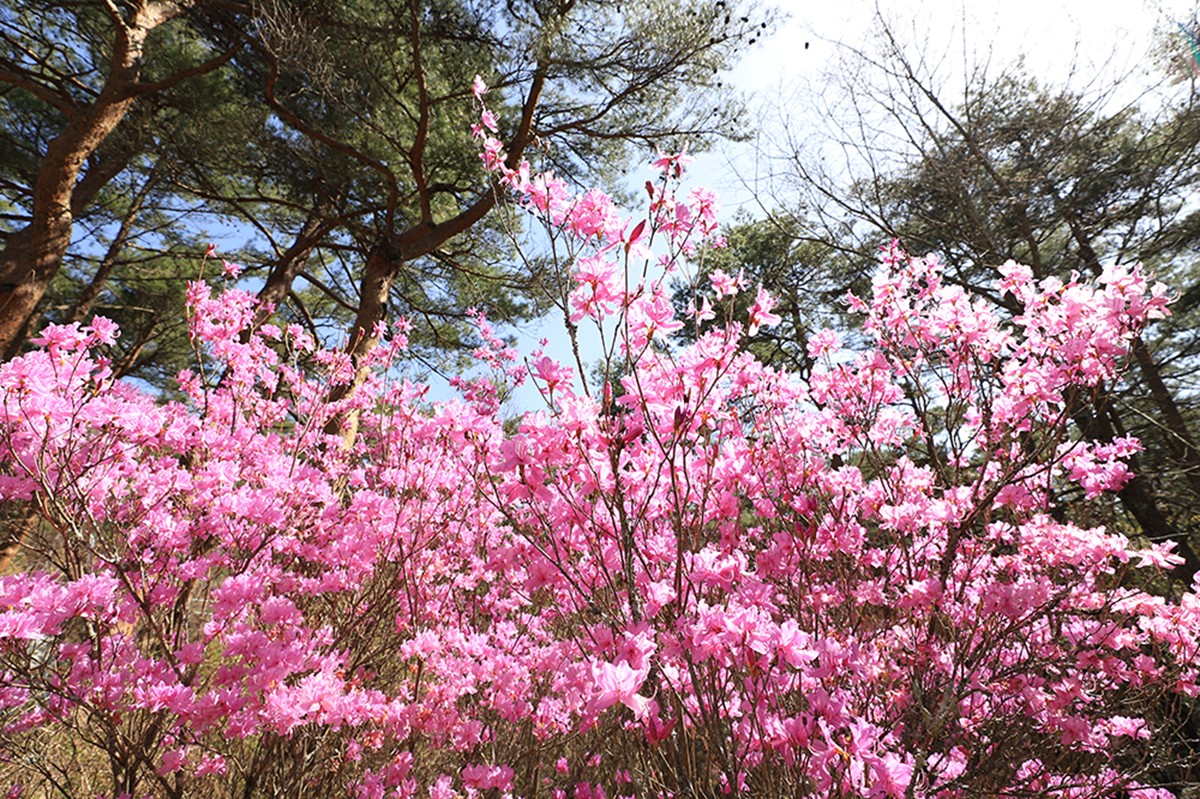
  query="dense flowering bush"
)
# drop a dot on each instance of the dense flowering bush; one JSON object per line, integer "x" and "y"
{"x": 704, "y": 577}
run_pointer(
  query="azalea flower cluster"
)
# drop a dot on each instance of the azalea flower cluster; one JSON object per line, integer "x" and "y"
{"x": 704, "y": 577}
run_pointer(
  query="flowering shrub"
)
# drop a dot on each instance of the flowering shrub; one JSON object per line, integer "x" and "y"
{"x": 705, "y": 577}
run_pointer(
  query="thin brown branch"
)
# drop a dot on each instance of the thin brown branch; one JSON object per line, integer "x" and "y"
{"x": 416, "y": 156}
{"x": 23, "y": 79}
{"x": 140, "y": 89}
{"x": 294, "y": 121}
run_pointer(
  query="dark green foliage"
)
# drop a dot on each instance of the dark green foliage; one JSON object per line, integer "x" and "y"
{"x": 803, "y": 276}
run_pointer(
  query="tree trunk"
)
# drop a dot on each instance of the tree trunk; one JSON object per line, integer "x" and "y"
{"x": 1178, "y": 438}
{"x": 32, "y": 255}
{"x": 28, "y": 262}
{"x": 288, "y": 266}
{"x": 391, "y": 253}
{"x": 383, "y": 265}
{"x": 1137, "y": 497}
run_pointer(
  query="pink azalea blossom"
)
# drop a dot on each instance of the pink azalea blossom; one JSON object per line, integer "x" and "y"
{"x": 619, "y": 682}
{"x": 771, "y": 571}
{"x": 760, "y": 312}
